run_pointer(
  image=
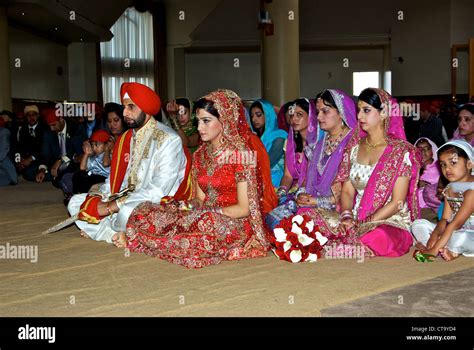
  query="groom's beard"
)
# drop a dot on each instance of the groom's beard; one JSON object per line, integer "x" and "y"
{"x": 137, "y": 123}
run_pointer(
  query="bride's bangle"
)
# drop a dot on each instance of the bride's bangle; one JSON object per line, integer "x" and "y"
{"x": 217, "y": 210}
{"x": 346, "y": 214}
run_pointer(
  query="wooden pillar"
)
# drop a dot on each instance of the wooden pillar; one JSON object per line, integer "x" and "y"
{"x": 98, "y": 63}
{"x": 159, "y": 44}
{"x": 5, "y": 80}
{"x": 281, "y": 53}
{"x": 471, "y": 69}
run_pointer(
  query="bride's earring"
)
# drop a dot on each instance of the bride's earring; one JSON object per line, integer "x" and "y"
{"x": 221, "y": 138}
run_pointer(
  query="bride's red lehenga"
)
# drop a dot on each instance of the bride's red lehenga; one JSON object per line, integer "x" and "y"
{"x": 198, "y": 238}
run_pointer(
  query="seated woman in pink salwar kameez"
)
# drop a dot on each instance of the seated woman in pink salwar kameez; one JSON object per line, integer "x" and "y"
{"x": 379, "y": 172}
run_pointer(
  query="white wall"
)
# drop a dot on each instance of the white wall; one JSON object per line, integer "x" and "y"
{"x": 462, "y": 21}
{"x": 209, "y": 72}
{"x": 325, "y": 70}
{"x": 319, "y": 70}
{"x": 82, "y": 72}
{"x": 178, "y": 31}
{"x": 423, "y": 40}
{"x": 37, "y": 77}
{"x": 345, "y": 22}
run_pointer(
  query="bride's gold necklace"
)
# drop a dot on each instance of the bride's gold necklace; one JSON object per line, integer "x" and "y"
{"x": 371, "y": 146}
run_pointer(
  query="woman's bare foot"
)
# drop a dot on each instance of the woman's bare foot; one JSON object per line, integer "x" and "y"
{"x": 368, "y": 253}
{"x": 447, "y": 254}
{"x": 85, "y": 235}
{"x": 431, "y": 251}
{"x": 119, "y": 240}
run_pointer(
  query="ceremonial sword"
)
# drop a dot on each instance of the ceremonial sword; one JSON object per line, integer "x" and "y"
{"x": 75, "y": 217}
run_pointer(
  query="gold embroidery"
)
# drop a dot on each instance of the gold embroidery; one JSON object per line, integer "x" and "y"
{"x": 141, "y": 142}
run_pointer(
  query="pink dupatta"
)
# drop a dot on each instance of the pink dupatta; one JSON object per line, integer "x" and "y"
{"x": 390, "y": 165}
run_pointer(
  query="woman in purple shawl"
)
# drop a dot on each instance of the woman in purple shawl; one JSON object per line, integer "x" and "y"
{"x": 336, "y": 122}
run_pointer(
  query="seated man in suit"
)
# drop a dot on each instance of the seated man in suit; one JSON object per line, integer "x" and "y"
{"x": 28, "y": 152}
{"x": 61, "y": 151}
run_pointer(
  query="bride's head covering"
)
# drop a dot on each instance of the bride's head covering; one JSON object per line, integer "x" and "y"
{"x": 239, "y": 138}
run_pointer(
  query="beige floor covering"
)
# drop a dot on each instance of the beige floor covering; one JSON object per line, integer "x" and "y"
{"x": 79, "y": 277}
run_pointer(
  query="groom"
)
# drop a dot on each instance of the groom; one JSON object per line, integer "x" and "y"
{"x": 149, "y": 156}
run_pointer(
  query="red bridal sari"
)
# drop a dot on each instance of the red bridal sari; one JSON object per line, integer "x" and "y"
{"x": 199, "y": 238}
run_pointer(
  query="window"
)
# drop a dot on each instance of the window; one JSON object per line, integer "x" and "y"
{"x": 363, "y": 80}
{"x": 387, "y": 82}
{"x": 128, "y": 56}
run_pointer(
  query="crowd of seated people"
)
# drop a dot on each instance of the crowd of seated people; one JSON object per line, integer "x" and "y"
{"x": 346, "y": 162}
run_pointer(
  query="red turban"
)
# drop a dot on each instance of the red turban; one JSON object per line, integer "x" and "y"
{"x": 50, "y": 116}
{"x": 100, "y": 136}
{"x": 144, "y": 97}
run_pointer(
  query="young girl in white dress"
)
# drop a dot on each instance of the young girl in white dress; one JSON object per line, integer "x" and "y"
{"x": 454, "y": 233}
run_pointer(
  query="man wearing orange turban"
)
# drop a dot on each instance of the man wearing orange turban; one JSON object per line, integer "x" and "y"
{"x": 149, "y": 156}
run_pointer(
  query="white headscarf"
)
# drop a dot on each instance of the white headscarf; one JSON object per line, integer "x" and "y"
{"x": 434, "y": 148}
{"x": 464, "y": 145}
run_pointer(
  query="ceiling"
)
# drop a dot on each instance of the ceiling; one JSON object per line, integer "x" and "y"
{"x": 321, "y": 22}
{"x": 90, "y": 20}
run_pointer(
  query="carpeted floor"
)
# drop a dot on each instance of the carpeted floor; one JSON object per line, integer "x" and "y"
{"x": 79, "y": 277}
{"x": 445, "y": 296}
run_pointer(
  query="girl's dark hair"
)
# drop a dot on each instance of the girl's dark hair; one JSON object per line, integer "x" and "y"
{"x": 303, "y": 104}
{"x": 467, "y": 107}
{"x": 327, "y": 99}
{"x": 423, "y": 140}
{"x": 183, "y": 102}
{"x": 207, "y": 105}
{"x": 9, "y": 113}
{"x": 112, "y": 107}
{"x": 453, "y": 149}
{"x": 371, "y": 97}
{"x": 257, "y": 104}
{"x": 286, "y": 106}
